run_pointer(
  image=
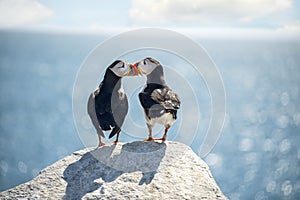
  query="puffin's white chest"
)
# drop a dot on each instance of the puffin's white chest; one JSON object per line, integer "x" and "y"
{"x": 165, "y": 119}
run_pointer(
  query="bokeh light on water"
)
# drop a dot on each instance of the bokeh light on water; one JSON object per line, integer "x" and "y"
{"x": 257, "y": 156}
{"x": 260, "y": 146}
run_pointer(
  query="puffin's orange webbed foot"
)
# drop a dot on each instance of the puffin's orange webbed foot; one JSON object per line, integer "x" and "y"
{"x": 115, "y": 142}
{"x": 162, "y": 139}
{"x": 101, "y": 144}
{"x": 149, "y": 139}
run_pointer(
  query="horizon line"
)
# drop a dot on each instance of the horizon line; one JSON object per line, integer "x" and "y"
{"x": 286, "y": 33}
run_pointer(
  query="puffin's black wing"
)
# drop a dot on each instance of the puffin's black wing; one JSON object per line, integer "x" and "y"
{"x": 167, "y": 98}
{"x": 103, "y": 109}
{"x": 159, "y": 101}
{"x": 151, "y": 108}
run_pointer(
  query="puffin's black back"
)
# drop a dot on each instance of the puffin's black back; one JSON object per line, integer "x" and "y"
{"x": 111, "y": 104}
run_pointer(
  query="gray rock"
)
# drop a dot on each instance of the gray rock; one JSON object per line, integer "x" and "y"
{"x": 137, "y": 170}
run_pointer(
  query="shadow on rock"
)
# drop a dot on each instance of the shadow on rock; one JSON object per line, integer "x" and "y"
{"x": 109, "y": 162}
{"x": 81, "y": 175}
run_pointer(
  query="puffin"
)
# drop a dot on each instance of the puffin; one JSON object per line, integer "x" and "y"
{"x": 107, "y": 106}
{"x": 159, "y": 102}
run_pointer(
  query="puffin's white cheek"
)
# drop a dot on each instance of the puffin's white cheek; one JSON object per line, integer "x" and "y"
{"x": 123, "y": 72}
{"x": 147, "y": 69}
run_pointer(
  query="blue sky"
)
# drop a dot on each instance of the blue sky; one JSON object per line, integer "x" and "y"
{"x": 258, "y": 17}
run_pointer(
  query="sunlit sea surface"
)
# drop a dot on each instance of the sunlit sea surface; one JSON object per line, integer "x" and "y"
{"x": 257, "y": 156}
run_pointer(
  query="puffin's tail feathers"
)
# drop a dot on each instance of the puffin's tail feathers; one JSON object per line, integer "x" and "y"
{"x": 114, "y": 132}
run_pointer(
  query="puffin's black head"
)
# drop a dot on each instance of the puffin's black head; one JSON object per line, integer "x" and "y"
{"x": 121, "y": 69}
{"x": 147, "y": 65}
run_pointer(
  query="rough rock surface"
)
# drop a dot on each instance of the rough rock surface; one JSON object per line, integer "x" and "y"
{"x": 137, "y": 170}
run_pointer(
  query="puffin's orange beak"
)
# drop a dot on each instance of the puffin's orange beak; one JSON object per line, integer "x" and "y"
{"x": 134, "y": 67}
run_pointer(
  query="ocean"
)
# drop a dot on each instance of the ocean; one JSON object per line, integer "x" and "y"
{"x": 256, "y": 157}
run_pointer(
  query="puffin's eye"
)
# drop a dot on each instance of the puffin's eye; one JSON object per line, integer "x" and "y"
{"x": 122, "y": 66}
{"x": 144, "y": 62}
